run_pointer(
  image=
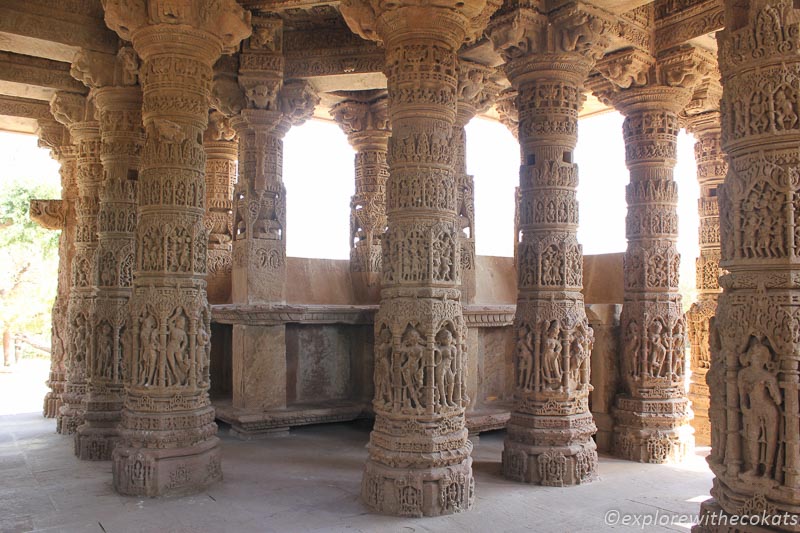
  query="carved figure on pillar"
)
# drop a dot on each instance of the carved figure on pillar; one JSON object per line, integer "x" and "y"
{"x": 118, "y": 102}
{"x": 59, "y": 215}
{"x": 76, "y": 112}
{"x": 548, "y": 57}
{"x": 754, "y": 377}
{"x": 364, "y": 118}
{"x": 222, "y": 152}
{"x": 652, "y": 415}
{"x": 168, "y": 442}
{"x": 419, "y": 456}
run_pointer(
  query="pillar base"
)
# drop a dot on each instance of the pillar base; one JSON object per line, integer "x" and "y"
{"x": 550, "y": 451}
{"x": 168, "y": 472}
{"x": 69, "y": 418}
{"x": 52, "y": 404}
{"x": 96, "y": 438}
{"x": 652, "y": 431}
{"x": 418, "y": 491}
{"x": 758, "y": 519}
{"x": 95, "y": 444}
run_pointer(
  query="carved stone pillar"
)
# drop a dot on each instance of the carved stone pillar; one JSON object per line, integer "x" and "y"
{"x": 754, "y": 377}
{"x": 222, "y": 152}
{"x": 168, "y": 442}
{"x": 262, "y": 108}
{"x": 118, "y": 101}
{"x": 59, "y": 215}
{"x": 549, "y": 439}
{"x": 77, "y": 114}
{"x": 652, "y": 413}
{"x": 476, "y": 93}
{"x": 364, "y": 119}
{"x": 507, "y": 110}
{"x": 419, "y": 456}
{"x": 711, "y": 169}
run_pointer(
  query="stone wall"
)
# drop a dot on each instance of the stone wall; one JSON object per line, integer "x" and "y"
{"x": 329, "y": 340}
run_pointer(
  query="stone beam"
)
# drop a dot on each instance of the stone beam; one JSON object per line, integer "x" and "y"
{"x": 34, "y": 77}
{"x": 678, "y": 22}
{"x": 24, "y": 107}
{"x": 329, "y": 52}
{"x": 21, "y": 114}
{"x": 55, "y": 30}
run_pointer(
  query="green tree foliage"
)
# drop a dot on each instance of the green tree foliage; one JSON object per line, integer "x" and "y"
{"x": 28, "y": 260}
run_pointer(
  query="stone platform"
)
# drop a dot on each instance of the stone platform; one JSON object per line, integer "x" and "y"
{"x": 310, "y": 481}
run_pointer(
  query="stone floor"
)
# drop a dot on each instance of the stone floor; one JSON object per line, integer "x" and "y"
{"x": 309, "y": 481}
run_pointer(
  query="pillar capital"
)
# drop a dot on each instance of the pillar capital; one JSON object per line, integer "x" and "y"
{"x": 451, "y": 21}
{"x": 636, "y": 82}
{"x": 49, "y": 214}
{"x": 566, "y": 41}
{"x": 205, "y": 27}
{"x": 96, "y": 69}
{"x": 476, "y": 91}
{"x": 506, "y": 106}
{"x": 70, "y": 109}
{"x": 364, "y": 118}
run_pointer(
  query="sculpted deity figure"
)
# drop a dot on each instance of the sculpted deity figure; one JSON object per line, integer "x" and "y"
{"x": 411, "y": 368}
{"x": 148, "y": 344}
{"x": 658, "y": 352}
{"x": 383, "y": 354}
{"x": 524, "y": 357}
{"x": 204, "y": 348}
{"x": 759, "y": 397}
{"x": 678, "y": 353}
{"x": 578, "y": 361}
{"x": 80, "y": 338}
{"x": 176, "y": 350}
{"x": 105, "y": 349}
{"x": 551, "y": 355}
{"x": 444, "y": 373}
{"x": 632, "y": 345}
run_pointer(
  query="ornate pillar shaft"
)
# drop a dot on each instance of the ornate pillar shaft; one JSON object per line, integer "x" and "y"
{"x": 652, "y": 414}
{"x": 419, "y": 456}
{"x": 168, "y": 441}
{"x": 262, "y": 108}
{"x": 652, "y": 322}
{"x": 118, "y": 101}
{"x": 259, "y": 246}
{"x": 59, "y": 215}
{"x": 77, "y": 113}
{"x": 711, "y": 169}
{"x": 549, "y": 440}
{"x": 476, "y": 93}
{"x": 364, "y": 118}
{"x": 222, "y": 152}
{"x": 754, "y": 342}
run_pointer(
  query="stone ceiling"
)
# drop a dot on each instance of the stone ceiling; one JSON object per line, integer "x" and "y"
{"x": 39, "y": 38}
